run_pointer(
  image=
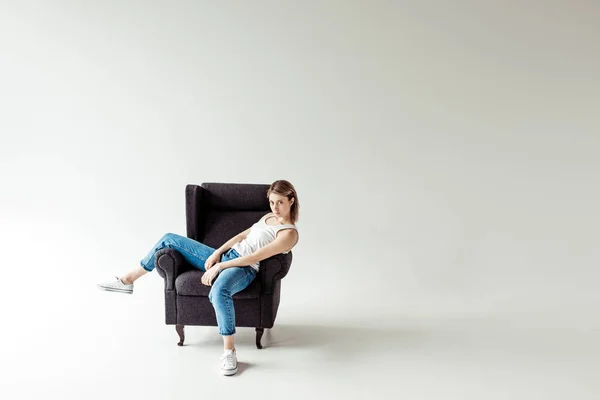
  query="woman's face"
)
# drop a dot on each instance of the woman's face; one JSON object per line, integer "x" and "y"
{"x": 280, "y": 205}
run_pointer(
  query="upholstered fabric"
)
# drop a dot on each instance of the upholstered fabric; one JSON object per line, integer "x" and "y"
{"x": 186, "y": 284}
{"x": 235, "y": 196}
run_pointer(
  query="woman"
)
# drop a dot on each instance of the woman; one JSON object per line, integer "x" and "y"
{"x": 233, "y": 266}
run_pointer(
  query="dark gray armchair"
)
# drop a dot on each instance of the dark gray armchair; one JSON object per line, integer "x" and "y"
{"x": 215, "y": 212}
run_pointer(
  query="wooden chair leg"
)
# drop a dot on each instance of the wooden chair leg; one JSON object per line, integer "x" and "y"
{"x": 179, "y": 329}
{"x": 259, "y": 333}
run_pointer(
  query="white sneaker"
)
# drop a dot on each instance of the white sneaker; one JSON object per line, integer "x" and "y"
{"x": 229, "y": 362}
{"x": 116, "y": 285}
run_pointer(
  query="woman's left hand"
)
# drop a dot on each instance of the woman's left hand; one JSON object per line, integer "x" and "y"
{"x": 211, "y": 274}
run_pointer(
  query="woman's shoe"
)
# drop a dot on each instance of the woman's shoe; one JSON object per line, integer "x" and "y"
{"x": 116, "y": 285}
{"x": 229, "y": 362}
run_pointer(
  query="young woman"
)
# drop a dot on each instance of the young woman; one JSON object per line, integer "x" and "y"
{"x": 233, "y": 266}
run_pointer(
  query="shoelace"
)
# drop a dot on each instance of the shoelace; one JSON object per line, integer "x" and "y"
{"x": 228, "y": 358}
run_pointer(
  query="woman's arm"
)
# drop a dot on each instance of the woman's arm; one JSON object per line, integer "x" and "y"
{"x": 286, "y": 239}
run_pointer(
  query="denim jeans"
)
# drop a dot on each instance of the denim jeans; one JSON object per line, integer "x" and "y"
{"x": 228, "y": 282}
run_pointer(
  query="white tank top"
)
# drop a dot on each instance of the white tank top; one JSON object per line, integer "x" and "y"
{"x": 261, "y": 234}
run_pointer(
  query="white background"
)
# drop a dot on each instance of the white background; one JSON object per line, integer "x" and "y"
{"x": 445, "y": 155}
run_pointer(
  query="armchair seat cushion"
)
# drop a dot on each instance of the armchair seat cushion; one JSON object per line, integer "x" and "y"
{"x": 189, "y": 284}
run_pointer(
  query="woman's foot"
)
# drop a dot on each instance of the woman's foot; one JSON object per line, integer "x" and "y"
{"x": 116, "y": 285}
{"x": 229, "y": 362}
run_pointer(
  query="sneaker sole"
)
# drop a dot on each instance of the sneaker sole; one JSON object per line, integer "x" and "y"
{"x": 229, "y": 372}
{"x": 128, "y": 291}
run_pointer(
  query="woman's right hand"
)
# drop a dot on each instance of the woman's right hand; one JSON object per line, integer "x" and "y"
{"x": 212, "y": 260}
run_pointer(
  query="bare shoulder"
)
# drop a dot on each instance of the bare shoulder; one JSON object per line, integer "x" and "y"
{"x": 290, "y": 236}
{"x": 289, "y": 232}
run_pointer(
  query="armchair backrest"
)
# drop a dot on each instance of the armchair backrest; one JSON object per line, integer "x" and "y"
{"x": 215, "y": 212}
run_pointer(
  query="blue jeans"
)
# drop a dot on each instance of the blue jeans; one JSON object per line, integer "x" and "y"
{"x": 228, "y": 282}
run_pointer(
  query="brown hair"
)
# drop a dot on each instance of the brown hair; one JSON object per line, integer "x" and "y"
{"x": 284, "y": 188}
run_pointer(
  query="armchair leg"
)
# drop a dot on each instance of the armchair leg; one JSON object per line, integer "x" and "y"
{"x": 259, "y": 333}
{"x": 179, "y": 329}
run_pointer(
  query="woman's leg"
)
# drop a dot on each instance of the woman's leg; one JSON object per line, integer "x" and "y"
{"x": 228, "y": 342}
{"x": 193, "y": 252}
{"x": 229, "y": 282}
{"x": 133, "y": 275}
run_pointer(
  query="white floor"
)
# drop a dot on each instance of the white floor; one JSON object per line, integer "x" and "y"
{"x": 98, "y": 345}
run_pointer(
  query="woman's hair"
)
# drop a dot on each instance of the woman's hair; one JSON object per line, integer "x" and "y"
{"x": 284, "y": 188}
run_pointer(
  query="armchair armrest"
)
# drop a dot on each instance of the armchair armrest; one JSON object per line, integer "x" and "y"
{"x": 170, "y": 264}
{"x": 274, "y": 268}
